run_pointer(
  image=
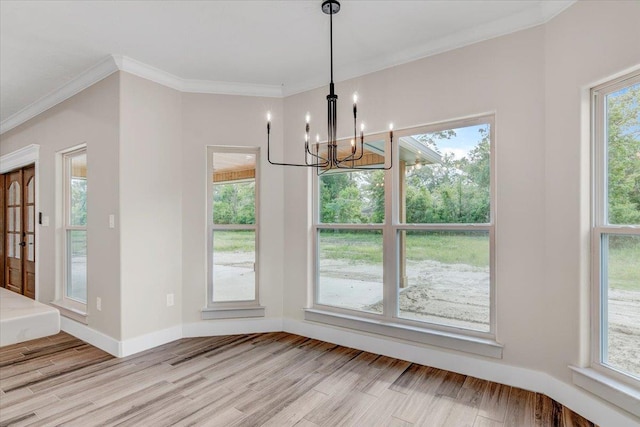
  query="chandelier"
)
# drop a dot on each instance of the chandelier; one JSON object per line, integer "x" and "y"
{"x": 327, "y": 157}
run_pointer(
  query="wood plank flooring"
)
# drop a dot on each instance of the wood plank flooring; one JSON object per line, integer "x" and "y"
{"x": 274, "y": 379}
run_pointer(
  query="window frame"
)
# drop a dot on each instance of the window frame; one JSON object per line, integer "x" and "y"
{"x": 75, "y": 306}
{"x": 389, "y": 322}
{"x": 601, "y": 229}
{"x": 240, "y": 308}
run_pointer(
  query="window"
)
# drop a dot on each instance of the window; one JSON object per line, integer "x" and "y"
{"x": 232, "y": 218}
{"x": 412, "y": 246}
{"x": 74, "y": 213}
{"x": 616, "y": 228}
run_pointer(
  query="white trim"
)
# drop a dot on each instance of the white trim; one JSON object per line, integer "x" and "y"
{"x": 573, "y": 397}
{"x": 69, "y": 311}
{"x": 140, "y": 69}
{"x": 65, "y": 157}
{"x": 21, "y": 157}
{"x": 231, "y": 327}
{"x": 93, "y": 75}
{"x": 113, "y": 63}
{"x": 119, "y": 348}
{"x": 236, "y": 312}
{"x": 521, "y": 21}
{"x": 91, "y": 336}
{"x": 232, "y": 309}
{"x": 449, "y": 340}
{"x": 620, "y": 394}
{"x": 150, "y": 340}
{"x": 605, "y": 381}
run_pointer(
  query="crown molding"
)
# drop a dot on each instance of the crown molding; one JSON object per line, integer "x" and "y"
{"x": 113, "y": 63}
{"x": 99, "y": 71}
{"x": 540, "y": 15}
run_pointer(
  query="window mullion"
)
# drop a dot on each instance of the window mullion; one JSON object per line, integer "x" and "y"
{"x": 390, "y": 241}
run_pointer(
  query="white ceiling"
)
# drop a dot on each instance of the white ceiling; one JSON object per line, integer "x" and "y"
{"x": 280, "y": 44}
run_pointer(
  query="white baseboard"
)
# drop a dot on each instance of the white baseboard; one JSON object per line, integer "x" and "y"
{"x": 569, "y": 395}
{"x": 115, "y": 347}
{"x": 91, "y": 336}
{"x": 231, "y": 327}
{"x": 151, "y": 340}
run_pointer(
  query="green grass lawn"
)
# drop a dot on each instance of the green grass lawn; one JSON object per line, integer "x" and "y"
{"x": 445, "y": 247}
{"x": 624, "y": 263}
{"x": 234, "y": 241}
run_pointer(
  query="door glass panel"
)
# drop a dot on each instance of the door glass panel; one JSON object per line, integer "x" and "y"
{"x": 31, "y": 191}
{"x": 10, "y": 245}
{"x": 234, "y": 256}
{"x": 30, "y": 219}
{"x": 77, "y": 265}
{"x": 14, "y": 193}
{"x": 17, "y": 219}
{"x": 31, "y": 253}
{"x": 11, "y": 220}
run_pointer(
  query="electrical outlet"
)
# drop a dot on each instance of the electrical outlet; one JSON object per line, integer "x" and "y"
{"x": 99, "y": 303}
{"x": 169, "y": 300}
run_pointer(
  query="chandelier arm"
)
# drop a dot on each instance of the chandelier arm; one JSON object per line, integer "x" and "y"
{"x": 317, "y": 156}
{"x": 340, "y": 165}
{"x": 322, "y": 165}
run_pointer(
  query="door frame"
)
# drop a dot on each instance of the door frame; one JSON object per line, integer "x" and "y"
{"x": 26, "y": 156}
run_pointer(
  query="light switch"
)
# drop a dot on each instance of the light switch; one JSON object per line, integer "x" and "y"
{"x": 112, "y": 221}
{"x": 45, "y": 221}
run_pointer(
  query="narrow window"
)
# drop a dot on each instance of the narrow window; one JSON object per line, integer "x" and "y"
{"x": 616, "y": 227}
{"x": 232, "y": 226}
{"x": 75, "y": 227}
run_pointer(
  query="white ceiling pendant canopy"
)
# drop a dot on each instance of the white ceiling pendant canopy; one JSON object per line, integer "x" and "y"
{"x": 326, "y": 157}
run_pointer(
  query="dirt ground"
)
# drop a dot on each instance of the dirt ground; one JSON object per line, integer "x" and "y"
{"x": 458, "y": 295}
{"x": 455, "y": 295}
{"x": 624, "y": 330}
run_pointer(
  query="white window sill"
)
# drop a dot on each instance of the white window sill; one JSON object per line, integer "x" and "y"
{"x": 449, "y": 340}
{"x": 620, "y": 394}
{"x": 70, "y": 312}
{"x": 209, "y": 313}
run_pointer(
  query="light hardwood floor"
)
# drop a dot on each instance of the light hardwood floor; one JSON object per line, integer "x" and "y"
{"x": 274, "y": 379}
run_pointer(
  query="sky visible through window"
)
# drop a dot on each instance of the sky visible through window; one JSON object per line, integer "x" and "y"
{"x": 465, "y": 140}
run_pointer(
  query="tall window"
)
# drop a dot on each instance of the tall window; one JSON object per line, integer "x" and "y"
{"x": 616, "y": 228}
{"x": 233, "y": 226}
{"x": 75, "y": 227}
{"x": 413, "y": 245}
